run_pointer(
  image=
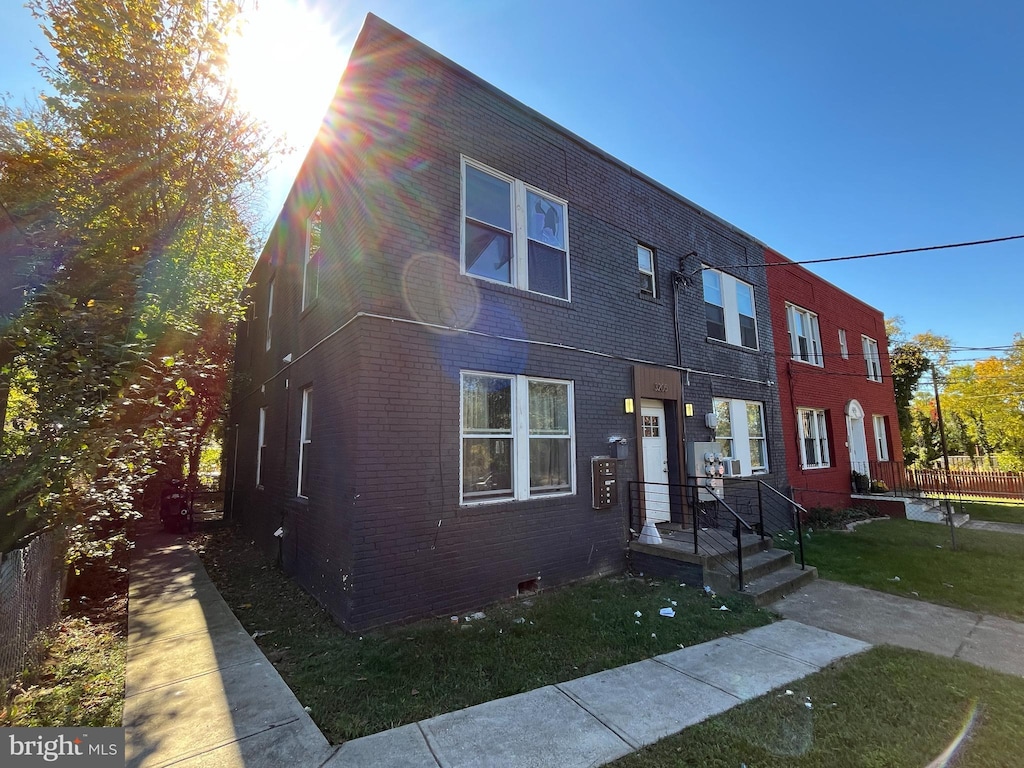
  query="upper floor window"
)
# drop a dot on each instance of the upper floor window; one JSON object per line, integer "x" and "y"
{"x": 513, "y": 233}
{"x": 844, "y": 350}
{"x": 740, "y": 434}
{"x": 871, "y": 358}
{"x": 517, "y": 437}
{"x": 813, "y": 438}
{"x": 311, "y": 262}
{"x": 729, "y": 309}
{"x": 645, "y": 263}
{"x": 804, "y": 336}
{"x": 881, "y": 440}
{"x": 270, "y": 311}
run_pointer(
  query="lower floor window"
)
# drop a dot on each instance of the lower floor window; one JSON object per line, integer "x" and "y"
{"x": 740, "y": 434}
{"x": 813, "y": 438}
{"x": 517, "y": 437}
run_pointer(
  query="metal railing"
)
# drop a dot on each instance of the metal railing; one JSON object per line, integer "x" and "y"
{"x": 902, "y": 480}
{"x": 717, "y": 524}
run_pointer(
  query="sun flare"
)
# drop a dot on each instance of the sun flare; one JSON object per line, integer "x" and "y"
{"x": 285, "y": 65}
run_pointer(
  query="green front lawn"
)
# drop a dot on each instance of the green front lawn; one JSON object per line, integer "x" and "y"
{"x": 986, "y": 572}
{"x": 360, "y": 684}
{"x": 995, "y": 511}
{"x": 887, "y": 708}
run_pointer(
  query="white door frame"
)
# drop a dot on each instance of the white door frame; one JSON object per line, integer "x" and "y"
{"x": 856, "y": 439}
{"x": 655, "y": 461}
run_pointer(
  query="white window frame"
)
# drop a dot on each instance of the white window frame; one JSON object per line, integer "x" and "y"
{"x": 309, "y": 296}
{"x": 871, "y": 358}
{"x": 881, "y": 441}
{"x": 813, "y": 340}
{"x": 520, "y": 246}
{"x": 270, "y": 313}
{"x": 740, "y": 435}
{"x": 261, "y": 444}
{"x": 305, "y": 438}
{"x": 519, "y": 434}
{"x": 844, "y": 349}
{"x": 729, "y": 287}
{"x": 818, "y": 433}
{"x": 653, "y": 292}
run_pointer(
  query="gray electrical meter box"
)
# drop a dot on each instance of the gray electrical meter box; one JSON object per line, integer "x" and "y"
{"x": 706, "y": 468}
{"x": 605, "y": 474}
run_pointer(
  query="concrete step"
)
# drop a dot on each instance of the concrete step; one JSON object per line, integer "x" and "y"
{"x": 724, "y": 579}
{"x": 774, "y": 586}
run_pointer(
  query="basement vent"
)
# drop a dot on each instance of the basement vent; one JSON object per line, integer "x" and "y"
{"x": 529, "y": 587}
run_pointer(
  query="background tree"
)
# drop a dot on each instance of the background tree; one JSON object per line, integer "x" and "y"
{"x": 133, "y": 182}
{"x": 911, "y": 358}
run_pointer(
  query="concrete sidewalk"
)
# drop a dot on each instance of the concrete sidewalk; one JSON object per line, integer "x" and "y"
{"x": 599, "y": 718}
{"x": 198, "y": 690}
{"x": 880, "y": 618}
{"x": 985, "y": 525}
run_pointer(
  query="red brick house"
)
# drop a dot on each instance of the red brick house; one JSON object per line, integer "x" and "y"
{"x": 835, "y": 386}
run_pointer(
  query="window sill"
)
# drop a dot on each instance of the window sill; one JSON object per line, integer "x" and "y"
{"x": 496, "y": 502}
{"x": 644, "y": 296}
{"x": 309, "y": 308}
{"x": 814, "y": 467}
{"x": 512, "y": 290}
{"x": 730, "y": 345}
{"x": 819, "y": 366}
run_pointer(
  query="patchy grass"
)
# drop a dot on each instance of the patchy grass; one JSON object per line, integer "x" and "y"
{"x": 985, "y": 573}
{"x": 80, "y": 680}
{"x": 882, "y": 709}
{"x": 360, "y": 684}
{"x": 995, "y": 511}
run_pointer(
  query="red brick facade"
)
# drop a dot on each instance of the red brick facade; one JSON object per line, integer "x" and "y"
{"x": 829, "y": 382}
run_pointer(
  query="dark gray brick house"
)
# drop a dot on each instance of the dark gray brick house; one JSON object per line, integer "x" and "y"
{"x": 461, "y": 305}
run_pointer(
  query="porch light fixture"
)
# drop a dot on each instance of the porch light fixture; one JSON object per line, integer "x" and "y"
{"x": 628, "y": 404}
{"x": 689, "y": 409}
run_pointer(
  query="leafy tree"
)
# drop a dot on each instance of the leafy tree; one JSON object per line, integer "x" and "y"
{"x": 133, "y": 181}
{"x": 911, "y": 358}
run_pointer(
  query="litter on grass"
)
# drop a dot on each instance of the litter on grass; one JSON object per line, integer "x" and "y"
{"x": 895, "y": 578}
{"x": 667, "y": 612}
{"x": 724, "y": 608}
{"x": 637, "y": 614}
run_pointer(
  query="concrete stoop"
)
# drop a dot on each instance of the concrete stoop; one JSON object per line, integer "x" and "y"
{"x": 769, "y": 574}
{"x": 929, "y": 511}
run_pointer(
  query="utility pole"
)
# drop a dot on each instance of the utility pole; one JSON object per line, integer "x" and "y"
{"x": 945, "y": 452}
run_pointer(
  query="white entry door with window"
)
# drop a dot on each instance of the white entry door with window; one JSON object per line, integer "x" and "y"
{"x": 856, "y": 441}
{"x": 655, "y": 453}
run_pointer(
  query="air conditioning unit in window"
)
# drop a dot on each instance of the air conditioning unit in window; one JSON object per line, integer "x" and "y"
{"x": 732, "y": 467}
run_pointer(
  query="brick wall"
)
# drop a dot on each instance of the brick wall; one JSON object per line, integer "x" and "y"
{"x": 832, "y": 386}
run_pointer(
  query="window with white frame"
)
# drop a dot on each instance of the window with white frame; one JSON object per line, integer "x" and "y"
{"x": 804, "y": 335}
{"x": 311, "y": 262}
{"x": 813, "y": 438}
{"x": 518, "y": 437}
{"x": 305, "y": 441}
{"x": 270, "y": 311}
{"x": 645, "y": 263}
{"x": 871, "y": 358}
{"x": 729, "y": 309}
{"x": 881, "y": 439}
{"x": 513, "y": 233}
{"x": 844, "y": 350}
{"x": 261, "y": 444}
{"x": 740, "y": 434}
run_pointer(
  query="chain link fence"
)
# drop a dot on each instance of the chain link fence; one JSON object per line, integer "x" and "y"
{"x": 32, "y": 583}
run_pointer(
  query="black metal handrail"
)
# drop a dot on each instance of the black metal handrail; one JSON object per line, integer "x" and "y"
{"x": 678, "y": 493}
{"x": 796, "y": 509}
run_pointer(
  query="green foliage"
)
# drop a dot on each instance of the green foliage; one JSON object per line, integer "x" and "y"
{"x": 131, "y": 182}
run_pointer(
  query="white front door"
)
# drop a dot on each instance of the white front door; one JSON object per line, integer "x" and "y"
{"x": 655, "y": 447}
{"x": 855, "y": 438}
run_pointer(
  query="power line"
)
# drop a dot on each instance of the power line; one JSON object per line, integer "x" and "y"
{"x": 888, "y": 253}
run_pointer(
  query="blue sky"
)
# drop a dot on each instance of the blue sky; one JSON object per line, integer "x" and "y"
{"x": 822, "y": 129}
